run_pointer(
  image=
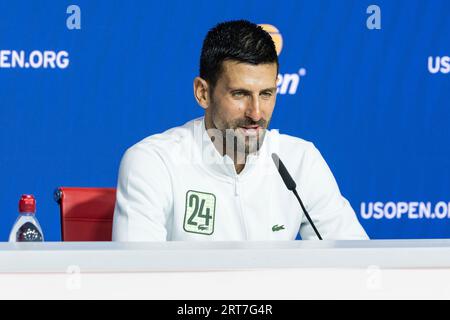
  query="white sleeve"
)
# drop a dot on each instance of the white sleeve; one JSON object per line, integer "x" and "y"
{"x": 331, "y": 213}
{"x": 144, "y": 197}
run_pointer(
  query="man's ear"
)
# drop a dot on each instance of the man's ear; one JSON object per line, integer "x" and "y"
{"x": 201, "y": 92}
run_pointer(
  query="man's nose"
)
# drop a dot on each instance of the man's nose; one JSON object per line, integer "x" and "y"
{"x": 253, "y": 110}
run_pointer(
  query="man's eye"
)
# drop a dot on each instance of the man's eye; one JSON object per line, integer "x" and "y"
{"x": 238, "y": 94}
{"x": 266, "y": 94}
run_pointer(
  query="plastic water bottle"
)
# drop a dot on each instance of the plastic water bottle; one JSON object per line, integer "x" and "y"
{"x": 26, "y": 228}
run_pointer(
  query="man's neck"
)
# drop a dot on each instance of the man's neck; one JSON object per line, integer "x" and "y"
{"x": 239, "y": 167}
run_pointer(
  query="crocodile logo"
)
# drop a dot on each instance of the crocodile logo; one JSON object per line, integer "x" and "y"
{"x": 276, "y": 228}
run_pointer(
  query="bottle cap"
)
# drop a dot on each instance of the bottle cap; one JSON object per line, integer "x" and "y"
{"x": 27, "y": 203}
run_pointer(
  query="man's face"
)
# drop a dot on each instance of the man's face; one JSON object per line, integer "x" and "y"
{"x": 242, "y": 103}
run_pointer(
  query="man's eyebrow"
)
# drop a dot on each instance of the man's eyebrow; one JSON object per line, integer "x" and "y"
{"x": 269, "y": 89}
{"x": 238, "y": 89}
{"x": 273, "y": 89}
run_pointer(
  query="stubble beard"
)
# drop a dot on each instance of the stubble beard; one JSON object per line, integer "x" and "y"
{"x": 233, "y": 141}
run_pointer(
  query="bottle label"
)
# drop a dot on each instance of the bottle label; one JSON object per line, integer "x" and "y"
{"x": 28, "y": 232}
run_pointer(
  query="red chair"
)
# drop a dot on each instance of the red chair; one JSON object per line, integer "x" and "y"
{"x": 86, "y": 213}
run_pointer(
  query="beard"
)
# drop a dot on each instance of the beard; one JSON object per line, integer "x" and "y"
{"x": 239, "y": 141}
{"x": 234, "y": 140}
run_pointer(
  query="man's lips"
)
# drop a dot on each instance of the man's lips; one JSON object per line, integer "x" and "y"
{"x": 255, "y": 126}
{"x": 250, "y": 130}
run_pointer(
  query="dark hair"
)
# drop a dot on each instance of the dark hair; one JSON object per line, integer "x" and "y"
{"x": 239, "y": 40}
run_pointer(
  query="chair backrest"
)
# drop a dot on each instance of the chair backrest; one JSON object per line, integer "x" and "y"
{"x": 86, "y": 213}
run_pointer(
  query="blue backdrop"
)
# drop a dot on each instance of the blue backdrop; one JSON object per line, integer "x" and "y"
{"x": 375, "y": 102}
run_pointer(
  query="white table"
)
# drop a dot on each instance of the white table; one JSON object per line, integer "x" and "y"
{"x": 227, "y": 270}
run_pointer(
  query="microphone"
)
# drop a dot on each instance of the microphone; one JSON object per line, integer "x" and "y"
{"x": 291, "y": 185}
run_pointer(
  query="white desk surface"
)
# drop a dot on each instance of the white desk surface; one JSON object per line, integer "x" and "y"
{"x": 207, "y": 256}
{"x": 380, "y": 269}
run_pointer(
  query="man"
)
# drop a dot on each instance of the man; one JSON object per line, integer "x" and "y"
{"x": 213, "y": 178}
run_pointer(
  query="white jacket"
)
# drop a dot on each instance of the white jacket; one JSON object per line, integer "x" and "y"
{"x": 176, "y": 186}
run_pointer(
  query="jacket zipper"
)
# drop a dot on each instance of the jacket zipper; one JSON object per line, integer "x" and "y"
{"x": 241, "y": 211}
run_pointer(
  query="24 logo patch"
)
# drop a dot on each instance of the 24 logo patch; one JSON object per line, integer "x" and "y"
{"x": 200, "y": 212}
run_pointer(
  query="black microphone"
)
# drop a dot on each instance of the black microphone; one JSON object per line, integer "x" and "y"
{"x": 290, "y": 184}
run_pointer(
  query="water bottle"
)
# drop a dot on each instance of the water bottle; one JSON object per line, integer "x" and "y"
{"x": 26, "y": 228}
